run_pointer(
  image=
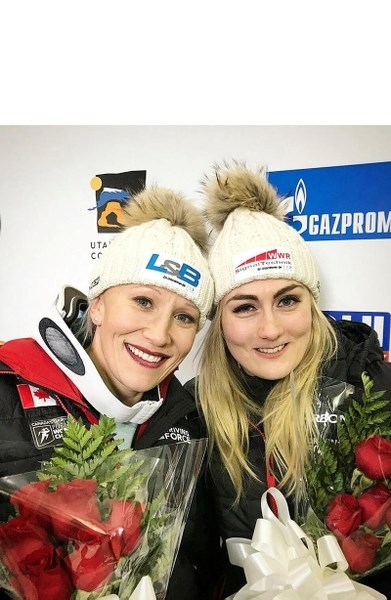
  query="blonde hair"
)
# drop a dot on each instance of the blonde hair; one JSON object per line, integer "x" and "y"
{"x": 85, "y": 330}
{"x": 287, "y": 415}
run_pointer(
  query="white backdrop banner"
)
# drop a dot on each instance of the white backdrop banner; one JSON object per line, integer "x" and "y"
{"x": 61, "y": 189}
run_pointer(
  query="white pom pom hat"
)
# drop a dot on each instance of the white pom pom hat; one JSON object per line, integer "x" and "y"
{"x": 253, "y": 244}
{"x": 159, "y": 252}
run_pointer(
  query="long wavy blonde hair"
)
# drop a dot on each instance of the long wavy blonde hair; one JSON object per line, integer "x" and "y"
{"x": 287, "y": 415}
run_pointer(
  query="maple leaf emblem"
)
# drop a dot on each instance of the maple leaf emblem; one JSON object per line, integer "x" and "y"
{"x": 41, "y": 394}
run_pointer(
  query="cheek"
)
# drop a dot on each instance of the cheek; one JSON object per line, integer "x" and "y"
{"x": 117, "y": 321}
{"x": 234, "y": 331}
{"x": 301, "y": 327}
{"x": 301, "y": 331}
{"x": 184, "y": 342}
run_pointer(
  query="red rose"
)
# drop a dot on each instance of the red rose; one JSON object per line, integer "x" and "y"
{"x": 31, "y": 502}
{"x": 48, "y": 574}
{"x": 91, "y": 565}
{"x": 37, "y": 570}
{"x": 74, "y": 511}
{"x": 18, "y": 539}
{"x": 123, "y": 526}
{"x": 374, "y": 504}
{"x": 71, "y": 510}
{"x": 343, "y": 515}
{"x": 360, "y": 550}
{"x": 373, "y": 457}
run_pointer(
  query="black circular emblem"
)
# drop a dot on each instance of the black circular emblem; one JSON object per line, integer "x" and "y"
{"x": 58, "y": 343}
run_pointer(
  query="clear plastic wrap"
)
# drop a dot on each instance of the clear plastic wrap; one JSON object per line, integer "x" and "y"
{"x": 349, "y": 477}
{"x": 96, "y": 520}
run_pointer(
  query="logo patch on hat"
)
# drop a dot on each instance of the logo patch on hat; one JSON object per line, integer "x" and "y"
{"x": 171, "y": 268}
{"x": 34, "y": 397}
{"x": 94, "y": 283}
{"x": 263, "y": 260}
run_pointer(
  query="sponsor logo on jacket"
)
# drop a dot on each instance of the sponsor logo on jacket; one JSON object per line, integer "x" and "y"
{"x": 176, "y": 434}
{"x": 327, "y": 417}
{"x": 47, "y": 432}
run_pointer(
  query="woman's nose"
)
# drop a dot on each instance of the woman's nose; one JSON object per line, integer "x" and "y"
{"x": 269, "y": 326}
{"x": 158, "y": 331}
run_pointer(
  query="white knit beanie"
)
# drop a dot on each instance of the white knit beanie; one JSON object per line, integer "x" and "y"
{"x": 164, "y": 244}
{"x": 253, "y": 242}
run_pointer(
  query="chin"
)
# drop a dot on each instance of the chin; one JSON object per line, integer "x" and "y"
{"x": 273, "y": 374}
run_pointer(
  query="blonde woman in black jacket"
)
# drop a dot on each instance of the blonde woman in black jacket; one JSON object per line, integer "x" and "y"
{"x": 268, "y": 353}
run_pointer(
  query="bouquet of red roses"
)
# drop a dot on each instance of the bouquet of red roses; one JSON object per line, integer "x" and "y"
{"x": 349, "y": 484}
{"x": 96, "y": 520}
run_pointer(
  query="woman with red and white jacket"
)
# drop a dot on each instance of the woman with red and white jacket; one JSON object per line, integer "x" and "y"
{"x": 275, "y": 369}
{"x": 149, "y": 295}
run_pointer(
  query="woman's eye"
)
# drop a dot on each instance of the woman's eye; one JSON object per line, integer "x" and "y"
{"x": 243, "y": 308}
{"x": 288, "y": 301}
{"x": 143, "y": 301}
{"x": 185, "y": 318}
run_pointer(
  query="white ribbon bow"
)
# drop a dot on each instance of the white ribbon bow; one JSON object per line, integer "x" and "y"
{"x": 280, "y": 562}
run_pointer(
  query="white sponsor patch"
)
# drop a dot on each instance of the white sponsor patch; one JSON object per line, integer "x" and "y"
{"x": 267, "y": 259}
{"x": 160, "y": 267}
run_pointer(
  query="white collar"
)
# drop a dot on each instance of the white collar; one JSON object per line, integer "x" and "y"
{"x": 58, "y": 341}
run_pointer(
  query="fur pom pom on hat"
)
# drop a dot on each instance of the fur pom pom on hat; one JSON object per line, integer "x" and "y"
{"x": 254, "y": 241}
{"x": 163, "y": 243}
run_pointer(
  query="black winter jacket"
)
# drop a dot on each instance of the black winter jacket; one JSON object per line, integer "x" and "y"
{"x": 20, "y": 451}
{"x": 358, "y": 351}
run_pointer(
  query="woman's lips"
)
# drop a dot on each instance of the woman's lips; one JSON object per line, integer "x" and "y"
{"x": 271, "y": 352}
{"x": 145, "y": 358}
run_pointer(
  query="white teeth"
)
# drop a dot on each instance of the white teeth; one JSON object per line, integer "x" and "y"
{"x": 147, "y": 357}
{"x": 271, "y": 350}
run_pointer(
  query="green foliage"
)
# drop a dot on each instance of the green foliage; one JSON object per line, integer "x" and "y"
{"x": 332, "y": 465}
{"x": 93, "y": 454}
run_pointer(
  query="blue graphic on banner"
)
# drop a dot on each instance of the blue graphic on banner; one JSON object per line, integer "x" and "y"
{"x": 337, "y": 203}
{"x": 379, "y": 321}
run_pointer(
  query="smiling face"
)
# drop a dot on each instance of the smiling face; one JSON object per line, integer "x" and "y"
{"x": 267, "y": 326}
{"x": 142, "y": 334}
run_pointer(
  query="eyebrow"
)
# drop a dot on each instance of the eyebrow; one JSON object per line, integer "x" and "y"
{"x": 190, "y": 304}
{"x": 254, "y": 298}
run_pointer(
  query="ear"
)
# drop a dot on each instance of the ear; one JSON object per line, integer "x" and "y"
{"x": 97, "y": 309}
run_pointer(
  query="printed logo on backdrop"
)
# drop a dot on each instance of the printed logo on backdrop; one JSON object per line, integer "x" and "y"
{"x": 112, "y": 190}
{"x": 335, "y": 203}
{"x": 379, "y": 321}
